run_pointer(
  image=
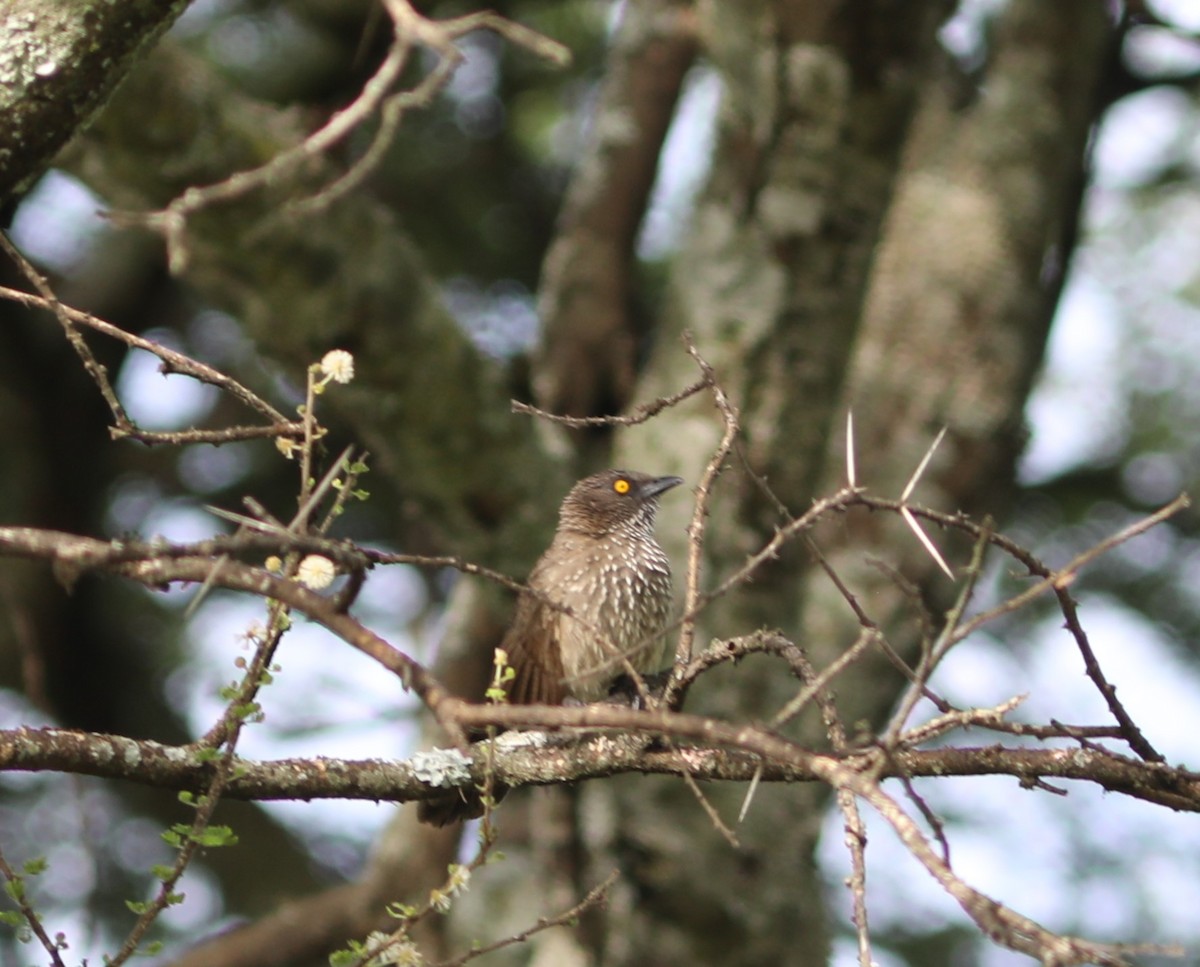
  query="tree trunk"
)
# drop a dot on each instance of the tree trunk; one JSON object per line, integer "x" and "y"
{"x": 838, "y": 258}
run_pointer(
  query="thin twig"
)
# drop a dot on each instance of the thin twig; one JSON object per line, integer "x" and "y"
{"x": 932, "y": 656}
{"x": 639, "y": 414}
{"x": 375, "y": 99}
{"x": 866, "y": 638}
{"x": 594, "y": 896}
{"x": 17, "y": 895}
{"x": 856, "y": 842}
{"x": 676, "y": 689}
{"x": 1057, "y": 582}
{"x": 97, "y": 372}
{"x": 173, "y": 362}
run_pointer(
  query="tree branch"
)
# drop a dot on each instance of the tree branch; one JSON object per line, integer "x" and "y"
{"x": 60, "y": 62}
{"x": 533, "y": 760}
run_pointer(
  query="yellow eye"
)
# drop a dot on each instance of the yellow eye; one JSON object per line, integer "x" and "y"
{"x": 621, "y": 485}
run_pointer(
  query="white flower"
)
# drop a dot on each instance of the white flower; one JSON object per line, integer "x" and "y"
{"x": 285, "y": 446}
{"x": 460, "y": 876}
{"x": 338, "y": 365}
{"x": 385, "y": 951}
{"x": 316, "y": 572}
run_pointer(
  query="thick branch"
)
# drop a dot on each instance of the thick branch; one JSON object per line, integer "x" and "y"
{"x": 534, "y": 760}
{"x": 59, "y": 63}
{"x": 588, "y": 353}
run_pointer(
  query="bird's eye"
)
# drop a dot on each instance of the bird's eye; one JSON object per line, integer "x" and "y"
{"x": 621, "y": 485}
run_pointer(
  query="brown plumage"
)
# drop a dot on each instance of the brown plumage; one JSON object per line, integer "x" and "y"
{"x": 599, "y": 594}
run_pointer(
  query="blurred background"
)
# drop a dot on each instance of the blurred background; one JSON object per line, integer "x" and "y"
{"x": 476, "y": 180}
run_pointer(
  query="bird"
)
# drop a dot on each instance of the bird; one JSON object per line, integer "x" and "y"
{"x": 599, "y": 597}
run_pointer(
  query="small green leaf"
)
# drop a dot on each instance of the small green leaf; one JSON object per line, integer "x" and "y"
{"x": 352, "y": 953}
{"x": 11, "y": 918}
{"x": 137, "y": 906}
{"x": 15, "y": 888}
{"x": 35, "y": 866}
{"x": 163, "y": 873}
{"x": 215, "y": 836}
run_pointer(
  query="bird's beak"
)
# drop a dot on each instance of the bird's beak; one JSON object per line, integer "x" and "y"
{"x": 659, "y": 485}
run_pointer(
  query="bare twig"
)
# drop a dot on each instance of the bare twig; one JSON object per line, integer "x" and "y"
{"x": 70, "y": 554}
{"x": 957, "y": 719}
{"x": 639, "y": 414}
{"x": 856, "y": 843}
{"x": 676, "y": 690}
{"x": 1058, "y": 581}
{"x": 172, "y": 362}
{"x": 818, "y": 683}
{"x": 375, "y": 99}
{"x": 932, "y": 656}
{"x": 594, "y": 897}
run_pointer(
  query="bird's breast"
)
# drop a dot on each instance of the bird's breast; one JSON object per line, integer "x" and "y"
{"x": 616, "y": 598}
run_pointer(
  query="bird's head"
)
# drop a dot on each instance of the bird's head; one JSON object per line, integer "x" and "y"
{"x": 613, "y": 499}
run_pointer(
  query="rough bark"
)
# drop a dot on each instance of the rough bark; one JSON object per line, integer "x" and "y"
{"x": 59, "y": 62}
{"x": 589, "y": 350}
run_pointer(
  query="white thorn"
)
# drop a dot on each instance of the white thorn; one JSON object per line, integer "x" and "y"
{"x": 851, "y": 471}
{"x": 912, "y": 483}
{"x": 924, "y": 539}
{"x": 750, "y": 793}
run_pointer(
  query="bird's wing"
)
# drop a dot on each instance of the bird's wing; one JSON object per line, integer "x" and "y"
{"x": 533, "y": 652}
